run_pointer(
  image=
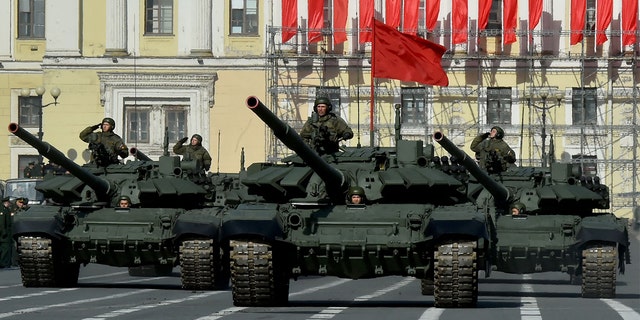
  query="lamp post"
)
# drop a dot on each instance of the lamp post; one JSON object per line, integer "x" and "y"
{"x": 544, "y": 95}
{"x": 55, "y": 93}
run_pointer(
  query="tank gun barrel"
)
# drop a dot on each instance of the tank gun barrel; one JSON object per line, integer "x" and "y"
{"x": 499, "y": 192}
{"x": 100, "y": 186}
{"x": 139, "y": 154}
{"x": 332, "y": 177}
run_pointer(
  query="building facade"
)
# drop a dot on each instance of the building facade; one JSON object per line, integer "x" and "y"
{"x": 168, "y": 67}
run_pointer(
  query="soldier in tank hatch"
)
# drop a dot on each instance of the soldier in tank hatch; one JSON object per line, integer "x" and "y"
{"x": 105, "y": 146}
{"x": 124, "y": 202}
{"x": 493, "y": 153}
{"x": 356, "y": 195}
{"x": 193, "y": 151}
{"x": 324, "y": 129}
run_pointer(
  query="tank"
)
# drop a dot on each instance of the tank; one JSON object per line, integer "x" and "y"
{"x": 561, "y": 223}
{"x": 174, "y": 219}
{"x": 417, "y": 220}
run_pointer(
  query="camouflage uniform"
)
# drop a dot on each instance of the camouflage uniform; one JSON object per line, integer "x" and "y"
{"x": 191, "y": 152}
{"x": 112, "y": 142}
{"x": 323, "y": 135}
{"x": 6, "y": 240}
{"x": 490, "y": 150}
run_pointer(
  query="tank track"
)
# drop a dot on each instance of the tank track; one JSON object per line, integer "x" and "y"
{"x": 456, "y": 274}
{"x": 40, "y": 267}
{"x": 200, "y": 267}
{"x": 599, "y": 270}
{"x": 426, "y": 287}
{"x": 256, "y": 277}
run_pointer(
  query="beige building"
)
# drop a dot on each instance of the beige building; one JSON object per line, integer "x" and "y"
{"x": 186, "y": 67}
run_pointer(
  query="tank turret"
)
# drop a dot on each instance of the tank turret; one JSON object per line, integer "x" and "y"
{"x": 101, "y": 186}
{"x": 335, "y": 182}
{"x": 500, "y": 192}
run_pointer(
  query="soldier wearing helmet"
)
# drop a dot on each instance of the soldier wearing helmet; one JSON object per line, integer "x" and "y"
{"x": 105, "y": 146}
{"x": 124, "y": 202}
{"x": 517, "y": 209}
{"x": 493, "y": 153}
{"x": 324, "y": 129}
{"x": 193, "y": 151}
{"x": 356, "y": 195}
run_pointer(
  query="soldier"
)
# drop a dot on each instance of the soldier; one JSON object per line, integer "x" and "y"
{"x": 6, "y": 240}
{"x": 517, "y": 209}
{"x": 324, "y": 129}
{"x": 194, "y": 151}
{"x": 356, "y": 195}
{"x": 22, "y": 204}
{"x": 494, "y": 154}
{"x": 105, "y": 146}
{"x": 124, "y": 202}
{"x": 28, "y": 169}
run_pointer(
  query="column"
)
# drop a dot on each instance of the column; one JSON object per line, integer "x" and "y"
{"x": 6, "y": 41}
{"x": 62, "y": 28}
{"x": 116, "y": 27}
{"x": 201, "y": 28}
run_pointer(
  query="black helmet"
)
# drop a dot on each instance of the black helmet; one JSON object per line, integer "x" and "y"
{"x": 198, "y": 137}
{"x": 356, "y": 190}
{"x": 111, "y": 122}
{"x": 322, "y": 100}
{"x": 500, "y": 132}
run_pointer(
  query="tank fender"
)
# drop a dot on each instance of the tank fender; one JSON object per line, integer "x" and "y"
{"x": 475, "y": 228}
{"x": 254, "y": 221}
{"x": 52, "y": 226}
{"x": 593, "y": 229}
{"x": 199, "y": 223}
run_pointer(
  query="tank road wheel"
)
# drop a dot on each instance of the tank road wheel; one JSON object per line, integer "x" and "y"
{"x": 200, "y": 266}
{"x": 40, "y": 266}
{"x": 599, "y": 262}
{"x": 456, "y": 274}
{"x": 256, "y": 278}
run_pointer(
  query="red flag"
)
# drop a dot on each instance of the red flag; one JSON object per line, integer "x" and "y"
{"x": 340, "y": 11}
{"x": 629, "y": 22}
{"x": 535, "y": 12}
{"x": 366, "y": 21}
{"x": 459, "y": 25}
{"x": 316, "y": 20}
{"x": 432, "y": 11}
{"x": 406, "y": 57}
{"x": 605, "y": 8}
{"x": 393, "y": 13}
{"x": 578, "y": 10}
{"x": 289, "y": 19}
{"x": 510, "y": 20}
{"x": 411, "y": 8}
{"x": 483, "y": 13}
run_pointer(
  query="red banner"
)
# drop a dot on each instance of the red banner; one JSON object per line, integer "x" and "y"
{"x": 411, "y": 9}
{"x": 459, "y": 22}
{"x": 393, "y": 13}
{"x": 510, "y": 20}
{"x": 432, "y": 11}
{"x": 535, "y": 12}
{"x": 578, "y": 10}
{"x": 406, "y": 57}
{"x": 366, "y": 21}
{"x": 340, "y": 12}
{"x": 316, "y": 20}
{"x": 289, "y": 19}
{"x": 605, "y": 11}
{"x": 484, "y": 7}
{"x": 629, "y": 22}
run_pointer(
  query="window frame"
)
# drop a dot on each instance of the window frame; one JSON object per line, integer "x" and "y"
{"x": 157, "y": 115}
{"x": 584, "y": 112}
{"x": 502, "y": 97}
{"x": 494, "y": 23}
{"x": 246, "y": 29}
{"x": 414, "y": 114}
{"x": 29, "y": 109}
{"x": 32, "y": 29}
{"x": 155, "y": 12}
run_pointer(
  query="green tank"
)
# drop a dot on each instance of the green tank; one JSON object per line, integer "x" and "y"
{"x": 416, "y": 220}
{"x": 174, "y": 219}
{"x": 551, "y": 220}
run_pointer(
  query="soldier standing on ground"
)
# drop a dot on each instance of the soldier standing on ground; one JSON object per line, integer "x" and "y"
{"x": 6, "y": 239}
{"x": 28, "y": 169}
{"x": 193, "y": 151}
{"x": 494, "y": 154}
{"x": 324, "y": 129}
{"x": 105, "y": 146}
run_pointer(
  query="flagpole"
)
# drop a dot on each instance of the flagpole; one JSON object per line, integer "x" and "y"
{"x": 371, "y": 98}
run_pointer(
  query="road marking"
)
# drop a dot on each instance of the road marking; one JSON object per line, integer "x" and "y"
{"x": 222, "y": 313}
{"x": 431, "y": 314}
{"x": 83, "y": 278}
{"x": 529, "y": 309}
{"x": 117, "y": 313}
{"x": 625, "y": 312}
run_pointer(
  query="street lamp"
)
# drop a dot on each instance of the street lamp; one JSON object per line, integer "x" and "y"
{"x": 544, "y": 95}
{"x": 55, "y": 93}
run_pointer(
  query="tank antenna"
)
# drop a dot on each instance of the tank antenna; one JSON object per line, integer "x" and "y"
{"x": 166, "y": 141}
{"x": 218, "y": 151}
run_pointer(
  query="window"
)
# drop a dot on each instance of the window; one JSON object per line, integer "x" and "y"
{"x": 584, "y": 102}
{"x": 29, "y": 112}
{"x": 413, "y": 105}
{"x": 328, "y": 16}
{"x": 31, "y": 19}
{"x": 498, "y": 105}
{"x": 23, "y": 162}
{"x": 590, "y": 23}
{"x": 244, "y": 17}
{"x": 141, "y": 130}
{"x": 159, "y": 17}
{"x": 334, "y": 95}
{"x": 494, "y": 25}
